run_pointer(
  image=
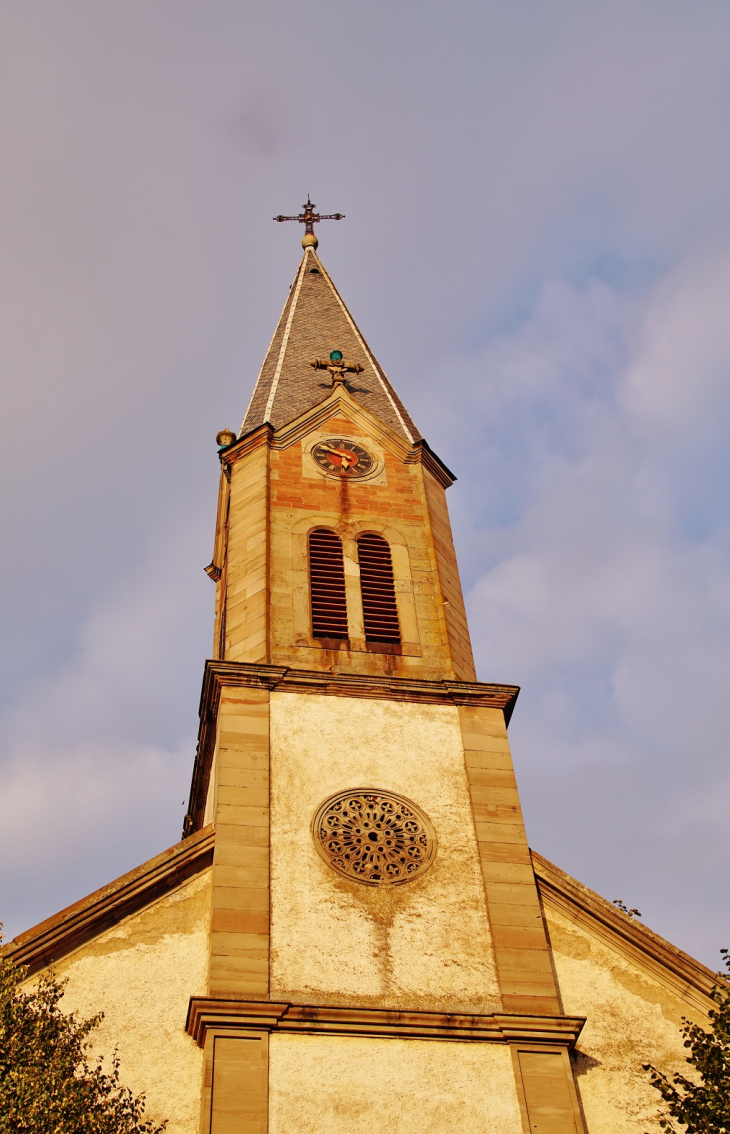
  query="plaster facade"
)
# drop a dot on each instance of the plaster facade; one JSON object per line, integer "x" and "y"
{"x": 632, "y": 1018}
{"x": 426, "y": 945}
{"x": 140, "y": 973}
{"x": 331, "y": 1084}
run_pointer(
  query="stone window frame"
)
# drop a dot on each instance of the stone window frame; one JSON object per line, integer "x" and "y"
{"x": 402, "y": 577}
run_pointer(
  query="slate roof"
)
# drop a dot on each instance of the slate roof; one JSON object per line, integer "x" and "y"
{"x": 314, "y": 322}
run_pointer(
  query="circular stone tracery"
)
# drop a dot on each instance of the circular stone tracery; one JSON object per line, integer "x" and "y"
{"x": 375, "y": 837}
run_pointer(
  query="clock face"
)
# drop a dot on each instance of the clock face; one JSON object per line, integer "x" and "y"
{"x": 340, "y": 457}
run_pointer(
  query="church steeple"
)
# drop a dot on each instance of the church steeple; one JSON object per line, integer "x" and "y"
{"x": 327, "y": 446}
{"x": 355, "y": 869}
{"x": 314, "y": 322}
{"x": 338, "y": 591}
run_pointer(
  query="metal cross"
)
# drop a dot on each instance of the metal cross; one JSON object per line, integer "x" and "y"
{"x": 309, "y": 218}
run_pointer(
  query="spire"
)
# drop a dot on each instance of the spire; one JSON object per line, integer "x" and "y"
{"x": 314, "y": 325}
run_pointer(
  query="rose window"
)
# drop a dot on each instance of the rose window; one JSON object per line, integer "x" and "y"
{"x": 375, "y": 837}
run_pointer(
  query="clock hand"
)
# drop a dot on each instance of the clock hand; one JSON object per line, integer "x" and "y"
{"x": 344, "y": 454}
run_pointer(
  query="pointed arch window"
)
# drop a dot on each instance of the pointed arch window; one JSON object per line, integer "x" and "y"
{"x": 327, "y": 585}
{"x": 378, "y": 589}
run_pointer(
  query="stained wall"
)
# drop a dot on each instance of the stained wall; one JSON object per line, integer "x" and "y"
{"x": 299, "y": 493}
{"x": 633, "y": 1018}
{"x": 424, "y": 945}
{"x": 331, "y": 1084}
{"x": 141, "y": 974}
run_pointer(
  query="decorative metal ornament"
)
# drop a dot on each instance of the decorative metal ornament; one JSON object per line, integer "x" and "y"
{"x": 340, "y": 457}
{"x": 224, "y": 438}
{"x": 375, "y": 837}
{"x": 309, "y": 218}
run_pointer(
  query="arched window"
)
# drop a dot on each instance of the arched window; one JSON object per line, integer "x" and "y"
{"x": 327, "y": 585}
{"x": 378, "y": 590}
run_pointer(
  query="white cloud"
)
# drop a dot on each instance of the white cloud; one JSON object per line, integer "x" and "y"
{"x": 604, "y": 605}
{"x": 680, "y": 378}
{"x": 98, "y": 753}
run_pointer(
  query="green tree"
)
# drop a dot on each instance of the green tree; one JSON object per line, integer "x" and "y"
{"x": 49, "y": 1083}
{"x": 701, "y": 1106}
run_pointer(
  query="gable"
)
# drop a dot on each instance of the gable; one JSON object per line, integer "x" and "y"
{"x": 140, "y": 974}
{"x": 633, "y": 987}
{"x": 136, "y": 950}
{"x": 336, "y": 404}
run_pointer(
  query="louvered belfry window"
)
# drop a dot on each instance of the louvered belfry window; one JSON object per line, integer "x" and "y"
{"x": 378, "y": 590}
{"x": 327, "y": 585}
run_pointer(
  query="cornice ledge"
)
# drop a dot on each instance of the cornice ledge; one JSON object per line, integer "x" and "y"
{"x": 246, "y": 444}
{"x": 686, "y": 977}
{"x": 206, "y": 1013}
{"x": 562, "y": 1030}
{"x": 424, "y": 454}
{"x": 72, "y": 927}
{"x": 287, "y": 680}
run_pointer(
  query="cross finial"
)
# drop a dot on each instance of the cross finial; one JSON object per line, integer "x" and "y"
{"x": 337, "y": 367}
{"x": 309, "y": 218}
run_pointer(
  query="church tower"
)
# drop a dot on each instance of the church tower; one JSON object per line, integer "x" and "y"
{"x": 376, "y": 928}
{"x": 352, "y": 936}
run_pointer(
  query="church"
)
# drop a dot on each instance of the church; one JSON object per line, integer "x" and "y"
{"x": 352, "y": 935}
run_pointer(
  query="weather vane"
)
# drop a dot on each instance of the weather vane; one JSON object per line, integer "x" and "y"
{"x": 309, "y": 218}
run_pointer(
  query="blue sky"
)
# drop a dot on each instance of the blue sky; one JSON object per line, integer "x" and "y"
{"x": 537, "y": 246}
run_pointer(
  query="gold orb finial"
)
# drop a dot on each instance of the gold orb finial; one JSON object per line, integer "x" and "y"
{"x": 309, "y": 240}
{"x": 224, "y": 438}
